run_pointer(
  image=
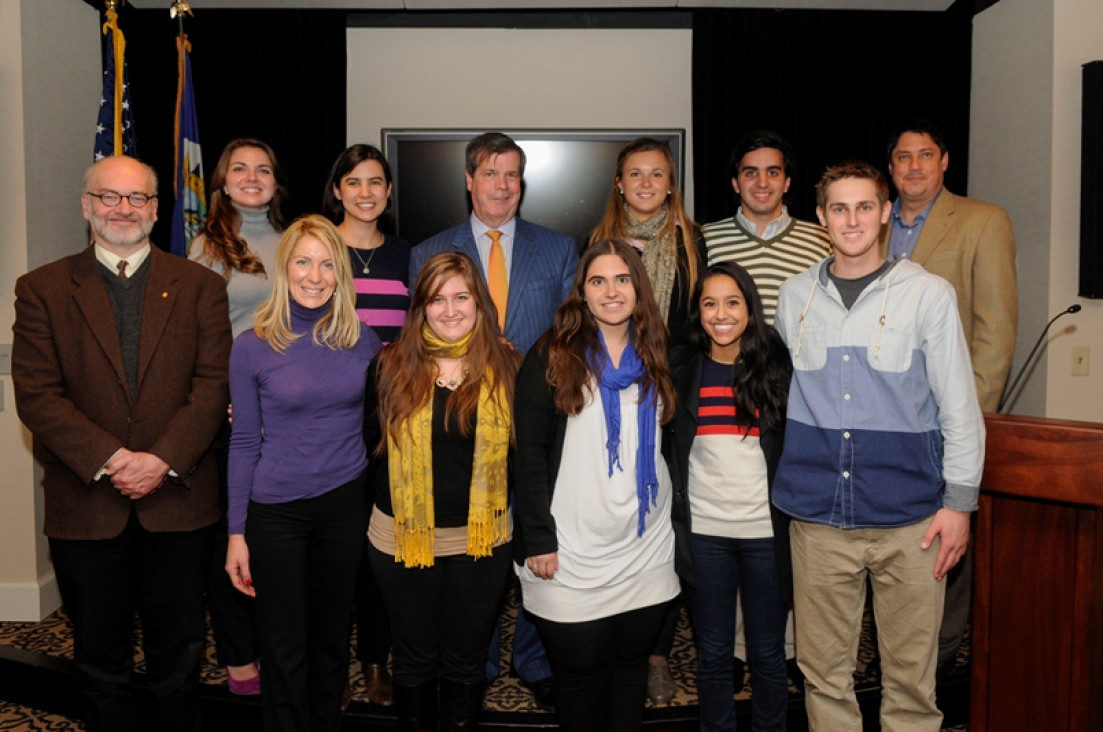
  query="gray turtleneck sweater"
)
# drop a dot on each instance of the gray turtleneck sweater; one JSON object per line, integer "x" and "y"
{"x": 246, "y": 291}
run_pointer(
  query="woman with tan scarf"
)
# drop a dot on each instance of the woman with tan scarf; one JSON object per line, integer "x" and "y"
{"x": 645, "y": 207}
{"x": 439, "y": 416}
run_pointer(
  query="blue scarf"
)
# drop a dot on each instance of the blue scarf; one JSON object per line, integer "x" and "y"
{"x": 610, "y": 383}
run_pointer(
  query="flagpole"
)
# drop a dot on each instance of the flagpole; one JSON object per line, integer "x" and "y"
{"x": 178, "y": 10}
{"x": 190, "y": 206}
{"x": 119, "y": 49}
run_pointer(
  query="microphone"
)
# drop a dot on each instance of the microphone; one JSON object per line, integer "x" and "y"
{"x": 1018, "y": 377}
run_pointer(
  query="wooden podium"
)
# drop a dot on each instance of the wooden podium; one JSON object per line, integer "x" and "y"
{"x": 1037, "y": 644}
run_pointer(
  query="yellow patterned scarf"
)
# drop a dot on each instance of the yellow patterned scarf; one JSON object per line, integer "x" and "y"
{"x": 411, "y": 473}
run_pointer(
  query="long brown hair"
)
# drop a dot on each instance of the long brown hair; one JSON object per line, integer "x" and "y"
{"x": 612, "y": 224}
{"x": 407, "y": 373}
{"x": 222, "y": 244}
{"x": 574, "y": 336}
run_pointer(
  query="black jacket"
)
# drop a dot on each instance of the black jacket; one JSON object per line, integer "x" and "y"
{"x": 541, "y": 429}
{"x": 685, "y": 364}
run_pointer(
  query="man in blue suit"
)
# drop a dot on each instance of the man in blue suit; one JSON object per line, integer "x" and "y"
{"x": 540, "y": 262}
{"x": 529, "y": 271}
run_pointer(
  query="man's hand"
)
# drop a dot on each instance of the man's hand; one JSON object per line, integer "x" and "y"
{"x": 136, "y": 474}
{"x": 952, "y": 528}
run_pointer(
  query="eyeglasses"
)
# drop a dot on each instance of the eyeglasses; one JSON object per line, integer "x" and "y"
{"x": 112, "y": 199}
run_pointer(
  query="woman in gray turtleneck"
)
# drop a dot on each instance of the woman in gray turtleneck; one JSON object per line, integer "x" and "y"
{"x": 239, "y": 241}
{"x": 243, "y": 225}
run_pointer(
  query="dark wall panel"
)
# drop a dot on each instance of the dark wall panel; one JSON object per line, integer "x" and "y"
{"x": 1091, "y": 183}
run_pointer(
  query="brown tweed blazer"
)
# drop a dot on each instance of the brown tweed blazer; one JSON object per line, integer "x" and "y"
{"x": 971, "y": 244}
{"x": 71, "y": 391}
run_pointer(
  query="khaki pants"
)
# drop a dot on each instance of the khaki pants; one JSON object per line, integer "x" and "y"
{"x": 830, "y": 566}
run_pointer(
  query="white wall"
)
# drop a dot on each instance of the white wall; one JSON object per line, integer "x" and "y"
{"x": 1078, "y": 40}
{"x": 1010, "y": 112}
{"x": 50, "y": 87}
{"x": 499, "y": 78}
{"x": 1025, "y": 155}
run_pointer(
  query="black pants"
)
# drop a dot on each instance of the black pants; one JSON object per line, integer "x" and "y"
{"x": 233, "y": 615}
{"x": 600, "y": 668}
{"x": 373, "y": 629}
{"x": 664, "y": 643}
{"x": 304, "y": 556}
{"x": 441, "y": 616}
{"x": 102, "y": 583}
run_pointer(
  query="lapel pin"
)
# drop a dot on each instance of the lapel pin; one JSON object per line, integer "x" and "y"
{"x": 165, "y": 294}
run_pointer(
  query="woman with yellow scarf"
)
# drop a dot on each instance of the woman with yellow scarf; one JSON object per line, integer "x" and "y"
{"x": 439, "y": 415}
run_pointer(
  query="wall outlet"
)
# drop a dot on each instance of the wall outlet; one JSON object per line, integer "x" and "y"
{"x": 1081, "y": 361}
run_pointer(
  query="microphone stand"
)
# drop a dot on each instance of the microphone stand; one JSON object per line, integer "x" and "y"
{"x": 1030, "y": 358}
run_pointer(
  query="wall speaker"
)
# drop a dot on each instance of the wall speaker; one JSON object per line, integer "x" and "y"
{"x": 1091, "y": 183}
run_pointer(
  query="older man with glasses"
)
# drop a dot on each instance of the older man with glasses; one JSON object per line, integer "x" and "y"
{"x": 119, "y": 365}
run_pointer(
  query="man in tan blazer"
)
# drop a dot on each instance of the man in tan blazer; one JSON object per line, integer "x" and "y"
{"x": 968, "y": 242}
{"x": 971, "y": 244}
{"x": 119, "y": 364}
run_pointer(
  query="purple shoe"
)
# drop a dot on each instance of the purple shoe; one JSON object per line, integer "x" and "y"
{"x": 248, "y": 687}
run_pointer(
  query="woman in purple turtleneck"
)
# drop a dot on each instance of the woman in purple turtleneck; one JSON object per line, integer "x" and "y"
{"x": 298, "y": 496}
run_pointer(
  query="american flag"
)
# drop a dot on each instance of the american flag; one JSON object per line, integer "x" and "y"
{"x": 115, "y": 125}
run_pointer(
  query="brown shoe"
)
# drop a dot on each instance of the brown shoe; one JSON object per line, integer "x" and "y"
{"x": 377, "y": 683}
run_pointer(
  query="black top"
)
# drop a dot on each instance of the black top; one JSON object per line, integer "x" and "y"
{"x": 453, "y": 456}
{"x": 686, "y": 363}
{"x": 677, "y": 319}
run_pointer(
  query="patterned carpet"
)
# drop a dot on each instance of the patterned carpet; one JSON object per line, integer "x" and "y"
{"x": 52, "y": 637}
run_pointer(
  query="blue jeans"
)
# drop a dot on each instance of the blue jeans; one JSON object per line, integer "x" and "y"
{"x": 724, "y": 568}
{"x": 530, "y": 660}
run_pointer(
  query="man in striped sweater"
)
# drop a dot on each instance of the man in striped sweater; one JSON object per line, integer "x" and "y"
{"x": 762, "y": 236}
{"x": 772, "y": 246}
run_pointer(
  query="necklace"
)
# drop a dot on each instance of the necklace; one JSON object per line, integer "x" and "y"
{"x": 364, "y": 266}
{"x": 451, "y": 382}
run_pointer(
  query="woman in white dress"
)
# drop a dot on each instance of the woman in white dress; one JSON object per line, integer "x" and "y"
{"x": 594, "y": 541}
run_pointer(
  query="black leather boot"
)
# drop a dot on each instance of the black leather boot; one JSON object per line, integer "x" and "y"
{"x": 416, "y": 707}
{"x": 460, "y": 705}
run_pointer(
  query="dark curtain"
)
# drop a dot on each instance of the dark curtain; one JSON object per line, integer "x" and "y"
{"x": 836, "y": 84}
{"x": 277, "y": 75}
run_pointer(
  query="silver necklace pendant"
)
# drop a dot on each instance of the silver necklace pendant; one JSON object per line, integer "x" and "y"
{"x": 366, "y": 270}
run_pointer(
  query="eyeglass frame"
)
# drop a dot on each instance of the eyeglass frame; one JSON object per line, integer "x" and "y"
{"x": 148, "y": 196}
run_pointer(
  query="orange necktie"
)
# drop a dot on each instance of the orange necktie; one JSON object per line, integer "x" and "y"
{"x": 496, "y": 276}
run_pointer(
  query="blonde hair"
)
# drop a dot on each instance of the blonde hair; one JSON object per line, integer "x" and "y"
{"x": 339, "y": 328}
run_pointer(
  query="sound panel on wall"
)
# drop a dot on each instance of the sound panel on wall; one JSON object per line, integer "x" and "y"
{"x": 1091, "y": 183}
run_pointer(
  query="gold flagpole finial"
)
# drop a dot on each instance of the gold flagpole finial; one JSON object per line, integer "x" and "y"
{"x": 179, "y": 9}
{"x": 113, "y": 5}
